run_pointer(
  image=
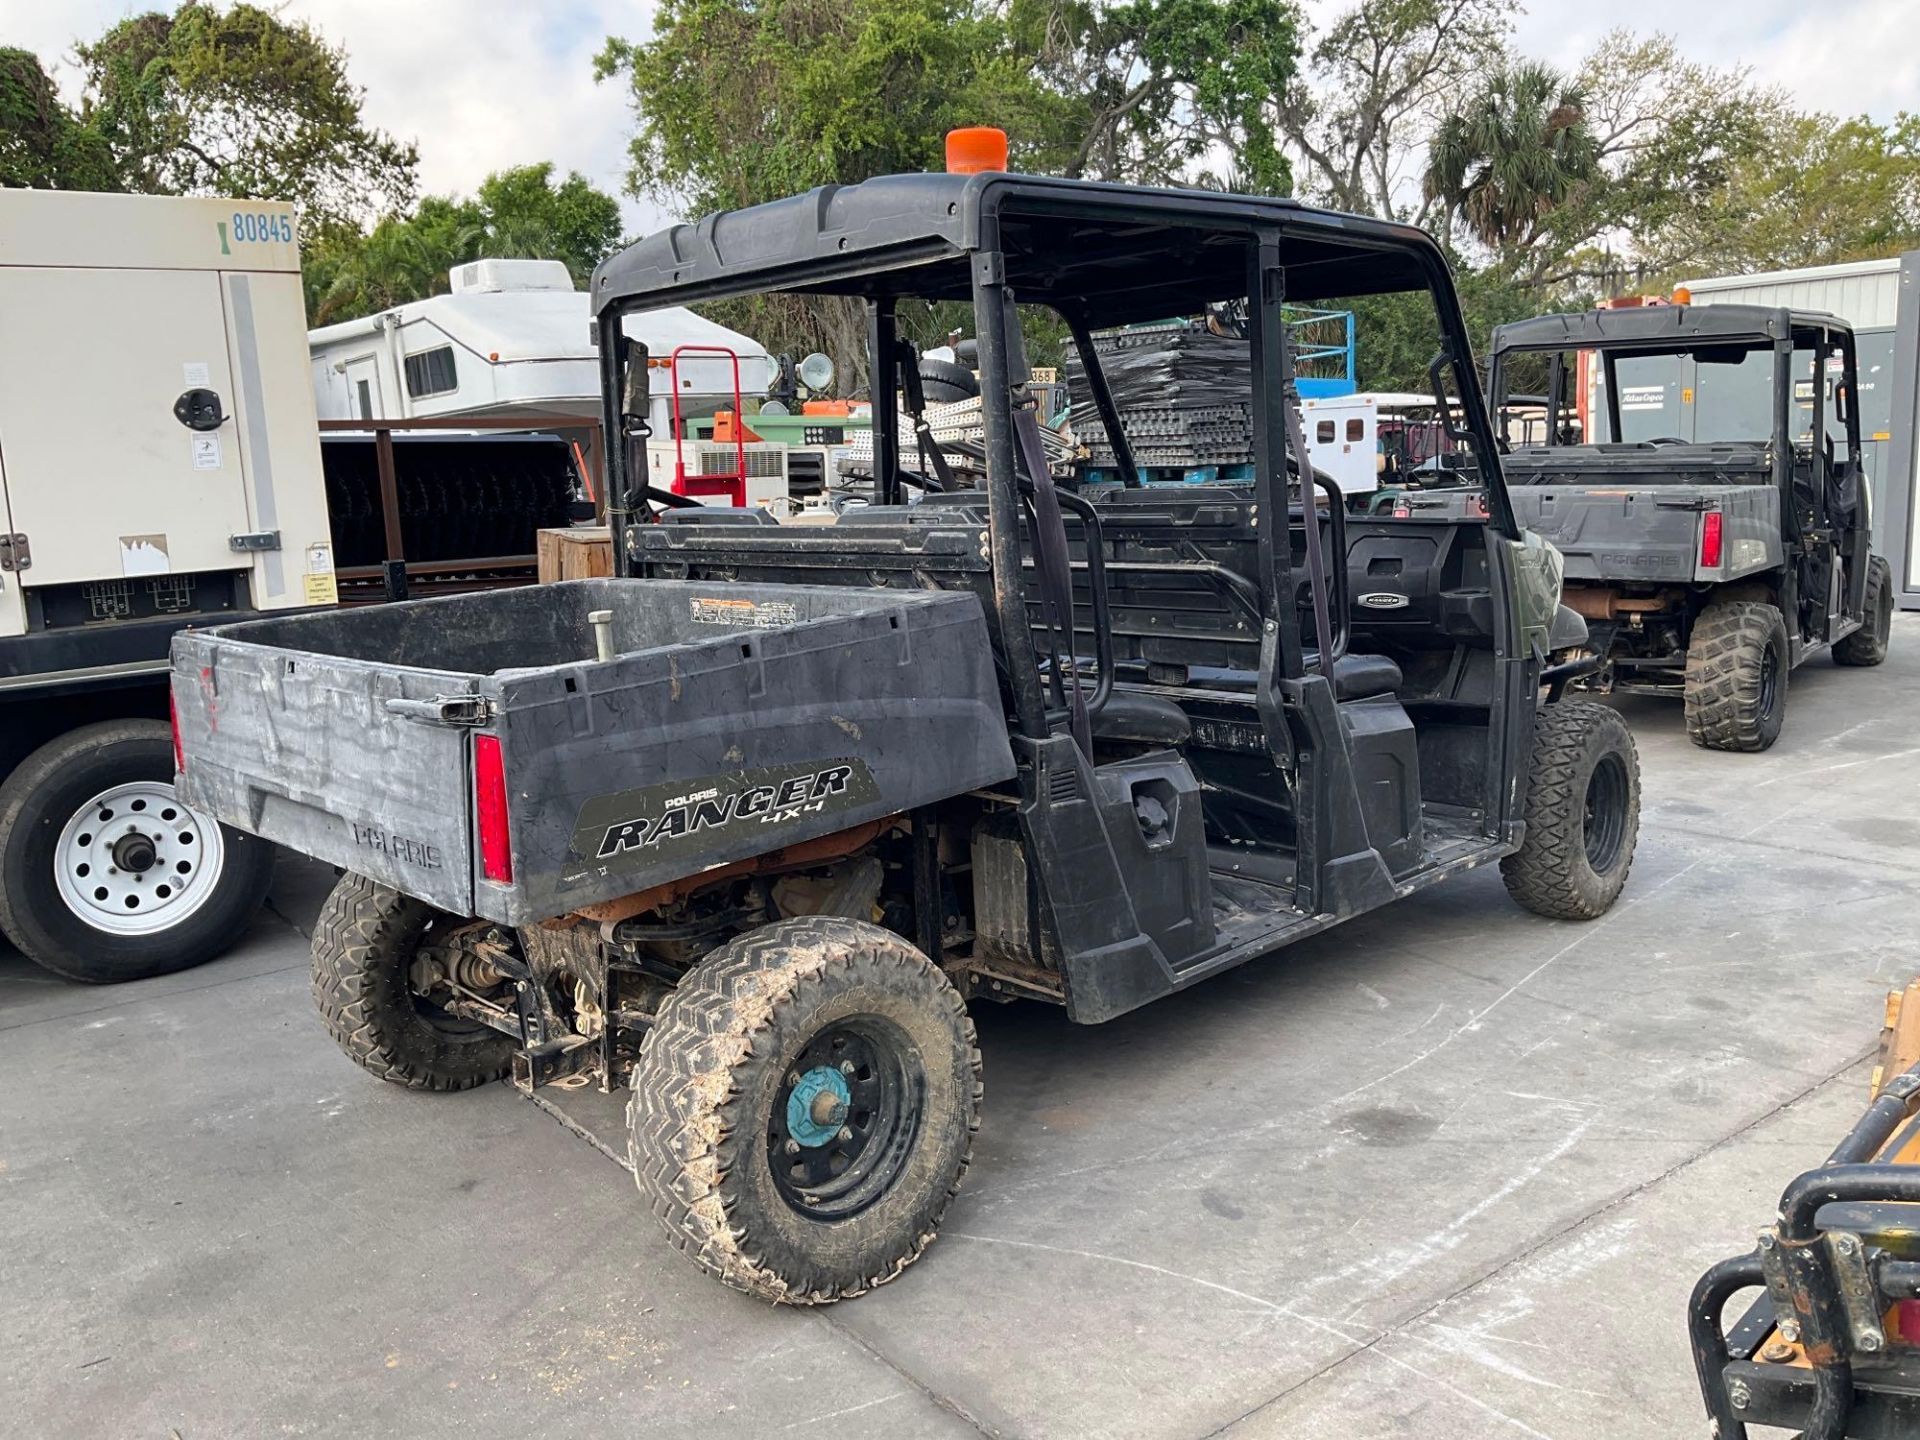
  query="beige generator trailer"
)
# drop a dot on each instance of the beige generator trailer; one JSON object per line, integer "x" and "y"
{"x": 159, "y": 468}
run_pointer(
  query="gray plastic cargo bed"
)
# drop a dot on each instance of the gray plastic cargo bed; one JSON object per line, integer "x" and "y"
{"x": 733, "y": 720}
{"x": 1624, "y": 530}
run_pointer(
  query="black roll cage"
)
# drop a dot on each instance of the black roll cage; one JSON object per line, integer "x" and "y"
{"x": 925, "y": 228}
{"x": 1782, "y": 332}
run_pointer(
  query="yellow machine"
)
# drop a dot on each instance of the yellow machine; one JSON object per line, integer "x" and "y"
{"x": 1833, "y": 1348}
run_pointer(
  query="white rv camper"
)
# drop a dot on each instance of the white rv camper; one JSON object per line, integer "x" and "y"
{"x": 515, "y": 338}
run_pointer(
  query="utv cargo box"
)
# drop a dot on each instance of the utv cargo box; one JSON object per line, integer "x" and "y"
{"x": 472, "y": 752}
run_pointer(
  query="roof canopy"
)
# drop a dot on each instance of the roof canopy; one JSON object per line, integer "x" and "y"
{"x": 1116, "y": 253}
{"x": 1658, "y": 329}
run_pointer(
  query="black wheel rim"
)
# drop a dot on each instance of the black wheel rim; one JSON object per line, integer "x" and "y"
{"x": 1769, "y": 682}
{"x": 845, "y": 1117}
{"x": 1605, "y": 825}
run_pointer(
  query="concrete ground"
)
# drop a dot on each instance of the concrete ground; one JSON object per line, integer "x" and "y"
{"x": 1448, "y": 1171}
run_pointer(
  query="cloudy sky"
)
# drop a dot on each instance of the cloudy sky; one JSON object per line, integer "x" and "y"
{"x": 481, "y": 84}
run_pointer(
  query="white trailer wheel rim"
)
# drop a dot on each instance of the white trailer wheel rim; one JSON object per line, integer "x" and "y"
{"x": 135, "y": 861}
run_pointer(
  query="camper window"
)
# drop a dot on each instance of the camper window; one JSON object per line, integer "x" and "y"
{"x": 431, "y": 372}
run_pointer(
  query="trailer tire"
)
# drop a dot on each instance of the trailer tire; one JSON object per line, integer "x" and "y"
{"x": 943, "y": 382}
{"x": 1735, "y": 687}
{"x": 363, "y": 949}
{"x": 207, "y": 880}
{"x": 728, "y": 1138}
{"x": 1582, "y": 813}
{"x": 1868, "y": 644}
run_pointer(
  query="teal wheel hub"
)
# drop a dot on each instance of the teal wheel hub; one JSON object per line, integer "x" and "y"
{"x": 818, "y": 1106}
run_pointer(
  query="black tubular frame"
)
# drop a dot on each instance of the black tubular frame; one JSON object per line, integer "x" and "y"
{"x": 991, "y": 303}
{"x": 882, "y": 360}
{"x": 950, "y": 231}
{"x": 1849, "y": 1176}
{"x": 1708, "y": 1336}
{"x": 1089, "y": 517}
{"x": 1282, "y": 655}
{"x": 1096, "y": 374}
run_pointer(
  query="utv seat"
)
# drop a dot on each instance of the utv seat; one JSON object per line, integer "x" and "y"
{"x": 1361, "y": 677}
{"x": 1355, "y": 677}
{"x": 1141, "y": 719}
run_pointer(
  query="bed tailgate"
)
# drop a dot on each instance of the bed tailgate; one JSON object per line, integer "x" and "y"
{"x": 330, "y": 757}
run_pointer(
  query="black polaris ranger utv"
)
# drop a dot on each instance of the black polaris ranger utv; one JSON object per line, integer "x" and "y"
{"x": 1717, "y": 534}
{"x": 745, "y": 828}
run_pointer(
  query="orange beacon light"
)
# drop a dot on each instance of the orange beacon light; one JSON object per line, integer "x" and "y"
{"x": 976, "y": 148}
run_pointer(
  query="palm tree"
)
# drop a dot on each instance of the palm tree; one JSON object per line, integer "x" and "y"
{"x": 400, "y": 260}
{"x": 1517, "y": 149}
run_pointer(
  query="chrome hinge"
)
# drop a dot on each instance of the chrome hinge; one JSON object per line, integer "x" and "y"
{"x": 254, "y": 540}
{"x": 14, "y": 552}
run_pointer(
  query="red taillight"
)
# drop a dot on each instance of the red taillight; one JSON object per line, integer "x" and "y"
{"x": 1710, "y": 540}
{"x": 1906, "y": 1322}
{"x": 490, "y": 799}
{"x": 173, "y": 724}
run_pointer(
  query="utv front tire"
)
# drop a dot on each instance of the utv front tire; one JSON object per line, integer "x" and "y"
{"x": 1868, "y": 644}
{"x": 364, "y": 945}
{"x": 1582, "y": 813}
{"x": 804, "y": 1107}
{"x": 1736, "y": 676}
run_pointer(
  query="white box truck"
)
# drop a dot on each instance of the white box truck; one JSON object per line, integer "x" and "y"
{"x": 159, "y": 468}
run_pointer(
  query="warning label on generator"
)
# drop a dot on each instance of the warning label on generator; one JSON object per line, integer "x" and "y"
{"x": 320, "y": 586}
{"x": 755, "y": 614}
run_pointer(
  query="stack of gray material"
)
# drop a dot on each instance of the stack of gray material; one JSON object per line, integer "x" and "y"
{"x": 1185, "y": 396}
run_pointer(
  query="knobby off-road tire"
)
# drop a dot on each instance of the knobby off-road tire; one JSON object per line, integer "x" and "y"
{"x": 1736, "y": 676}
{"x": 1582, "y": 813}
{"x": 151, "y": 888}
{"x": 363, "y": 949}
{"x": 719, "y": 1112}
{"x": 1868, "y": 644}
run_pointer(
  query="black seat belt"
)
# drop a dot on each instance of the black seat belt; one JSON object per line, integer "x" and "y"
{"x": 1309, "y": 509}
{"x": 1052, "y": 561}
{"x": 916, "y": 398}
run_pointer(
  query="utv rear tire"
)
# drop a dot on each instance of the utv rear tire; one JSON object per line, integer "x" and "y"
{"x": 1582, "y": 813}
{"x": 1868, "y": 644}
{"x": 61, "y": 888}
{"x": 363, "y": 949}
{"x": 756, "y": 1186}
{"x": 1736, "y": 676}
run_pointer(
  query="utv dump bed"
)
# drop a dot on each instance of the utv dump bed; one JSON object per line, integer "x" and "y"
{"x": 472, "y": 751}
{"x": 1634, "y": 511}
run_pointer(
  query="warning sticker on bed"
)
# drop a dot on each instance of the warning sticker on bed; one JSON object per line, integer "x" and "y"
{"x": 754, "y": 614}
